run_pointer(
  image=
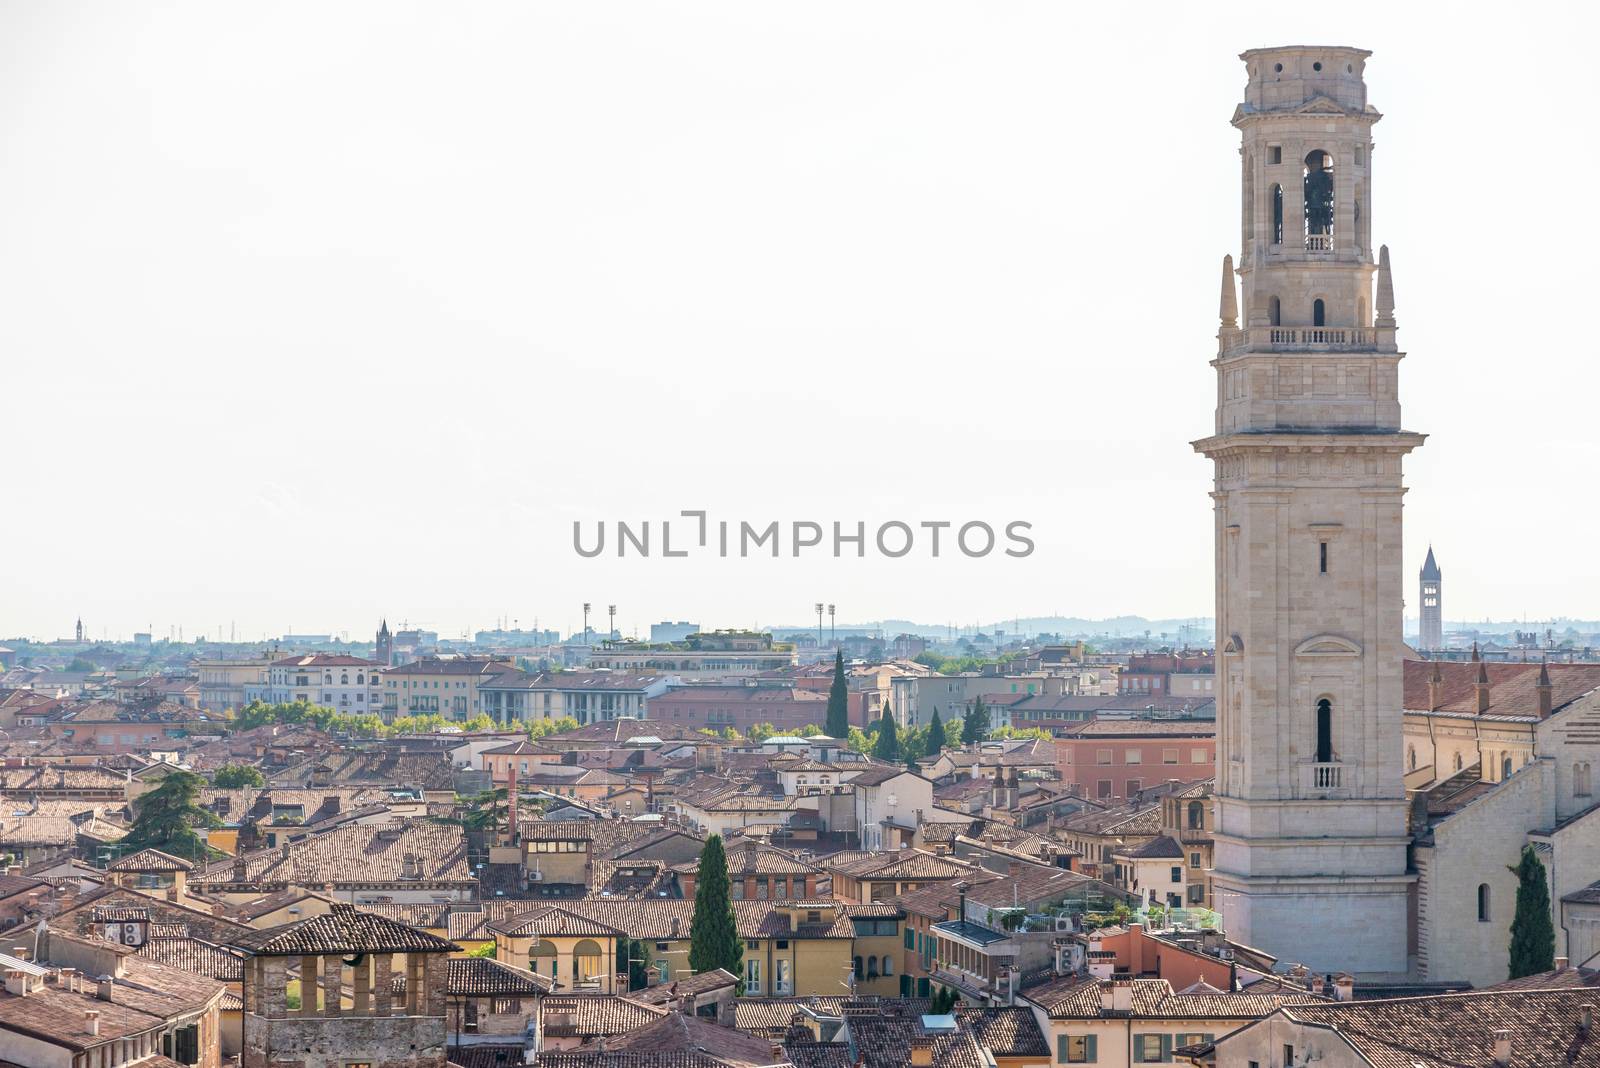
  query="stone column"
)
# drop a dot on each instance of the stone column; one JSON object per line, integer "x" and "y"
{"x": 332, "y": 984}
{"x": 433, "y": 971}
{"x": 308, "y": 986}
{"x": 362, "y": 980}
{"x": 382, "y": 979}
{"x": 274, "y": 986}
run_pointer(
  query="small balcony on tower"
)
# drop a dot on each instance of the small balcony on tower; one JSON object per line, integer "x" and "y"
{"x": 1325, "y": 780}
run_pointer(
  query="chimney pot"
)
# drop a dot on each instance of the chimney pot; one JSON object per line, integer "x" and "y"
{"x": 91, "y": 1017}
{"x": 1585, "y": 1017}
{"x": 1502, "y": 1048}
{"x": 1562, "y": 962}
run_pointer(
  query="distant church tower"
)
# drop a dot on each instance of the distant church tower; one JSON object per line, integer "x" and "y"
{"x": 384, "y": 654}
{"x": 1310, "y": 861}
{"x": 80, "y": 630}
{"x": 1431, "y": 625}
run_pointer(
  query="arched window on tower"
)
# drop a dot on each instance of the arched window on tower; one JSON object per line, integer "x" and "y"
{"x": 1319, "y": 199}
{"x": 1483, "y": 902}
{"x": 1276, "y": 196}
{"x": 1411, "y": 758}
{"x": 1274, "y": 312}
{"x": 1458, "y": 761}
{"x": 1582, "y": 783}
{"x": 1505, "y": 767}
{"x": 1324, "y": 731}
{"x": 1319, "y": 313}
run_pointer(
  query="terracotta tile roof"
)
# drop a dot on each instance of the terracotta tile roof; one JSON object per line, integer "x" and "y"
{"x": 483, "y": 977}
{"x": 552, "y": 920}
{"x": 885, "y": 1042}
{"x": 1161, "y": 847}
{"x": 900, "y": 864}
{"x": 344, "y": 930}
{"x": 1076, "y": 997}
{"x": 1456, "y": 1029}
{"x": 1513, "y": 688}
{"x": 195, "y": 955}
{"x": 485, "y": 1055}
{"x": 664, "y": 919}
{"x": 772, "y": 1016}
{"x": 754, "y": 858}
{"x": 819, "y": 1054}
{"x": 111, "y": 903}
{"x": 676, "y": 1033}
{"x": 879, "y": 774}
{"x": 351, "y": 855}
{"x": 1005, "y": 1032}
{"x": 150, "y": 860}
{"x": 664, "y": 994}
{"x": 589, "y": 1016}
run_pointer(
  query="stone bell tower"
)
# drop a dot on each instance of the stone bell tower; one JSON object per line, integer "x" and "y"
{"x": 1310, "y": 808}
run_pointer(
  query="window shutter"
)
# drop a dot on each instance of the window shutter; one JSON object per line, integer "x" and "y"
{"x": 1138, "y": 1049}
{"x": 1091, "y": 1053}
{"x": 1166, "y": 1049}
{"x": 1061, "y": 1049}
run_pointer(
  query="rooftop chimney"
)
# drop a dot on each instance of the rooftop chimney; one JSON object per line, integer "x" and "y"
{"x": 1502, "y": 1048}
{"x": 1481, "y": 687}
{"x": 103, "y": 988}
{"x": 1585, "y": 1018}
{"x": 1544, "y": 689}
{"x": 16, "y": 982}
{"x": 1436, "y": 688}
{"x": 922, "y": 1052}
{"x": 91, "y": 1020}
{"x": 1562, "y": 962}
{"x": 1344, "y": 987}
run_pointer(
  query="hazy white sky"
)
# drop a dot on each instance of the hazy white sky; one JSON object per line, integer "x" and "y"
{"x": 312, "y": 312}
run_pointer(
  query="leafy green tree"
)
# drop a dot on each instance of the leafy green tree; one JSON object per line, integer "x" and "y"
{"x": 485, "y": 812}
{"x": 887, "y": 745}
{"x": 975, "y": 724}
{"x": 714, "y": 931}
{"x": 234, "y": 776}
{"x": 1533, "y": 934}
{"x": 633, "y": 958}
{"x": 485, "y": 950}
{"x": 838, "y": 723}
{"x": 810, "y": 730}
{"x": 936, "y": 739}
{"x": 80, "y": 664}
{"x": 168, "y": 816}
{"x": 761, "y": 732}
{"x": 860, "y": 740}
{"x": 540, "y": 728}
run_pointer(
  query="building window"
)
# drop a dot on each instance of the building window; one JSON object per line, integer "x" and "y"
{"x": 1582, "y": 784}
{"x": 1076, "y": 1049}
{"x": 1169, "y": 756}
{"x": 1322, "y": 546}
{"x": 1274, "y": 312}
{"x": 1102, "y": 756}
{"x": 1276, "y": 195}
{"x": 1411, "y": 758}
{"x": 1132, "y": 756}
{"x": 1177, "y": 873}
{"x": 1274, "y": 155}
{"x": 1197, "y": 816}
{"x": 1483, "y": 902}
{"x": 1324, "y": 731}
{"x": 1319, "y": 317}
{"x": 1194, "y": 860}
{"x": 1152, "y": 1049}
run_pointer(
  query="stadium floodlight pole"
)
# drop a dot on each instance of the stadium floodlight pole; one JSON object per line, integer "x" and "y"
{"x": 819, "y": 623}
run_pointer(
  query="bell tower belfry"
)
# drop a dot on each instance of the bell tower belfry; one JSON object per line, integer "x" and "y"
{"x": 1310, "y": 858}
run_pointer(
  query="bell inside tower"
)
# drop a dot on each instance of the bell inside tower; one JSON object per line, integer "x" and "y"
{"x": 1319, "y": 201}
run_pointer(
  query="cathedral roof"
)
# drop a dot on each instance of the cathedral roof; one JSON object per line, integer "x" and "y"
{"x": 1430, "y": 568}
{"x": 1513, "y": 687}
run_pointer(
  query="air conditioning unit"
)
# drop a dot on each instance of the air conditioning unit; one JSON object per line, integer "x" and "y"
{"x": 1063, "y": 923}
{"x": 535, "y": 876}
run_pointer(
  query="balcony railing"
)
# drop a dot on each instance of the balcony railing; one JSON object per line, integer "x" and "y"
{"x": 1326, "y": 779}
{"x": 1308, "y": 339}
{"x": 1319, "y": 242}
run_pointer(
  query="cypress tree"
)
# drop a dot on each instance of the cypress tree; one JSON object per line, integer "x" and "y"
{"x": 887, "y": 747}
{"x": 1533, "y": 934}
{"x": 936, "y": 739}
{"x": 714, "y": 932}
{"x": 838, "y": 725}
{"x": 975, "y": 724}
